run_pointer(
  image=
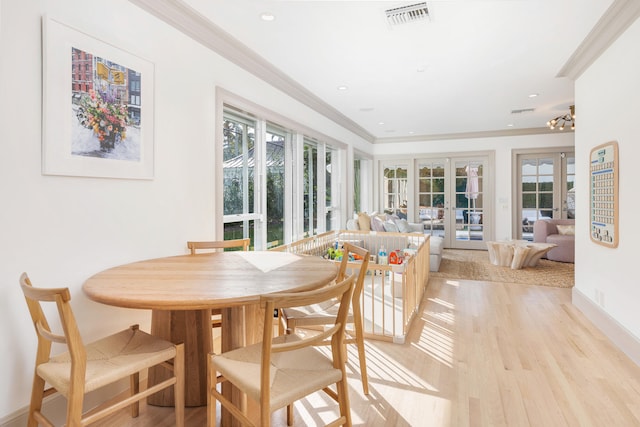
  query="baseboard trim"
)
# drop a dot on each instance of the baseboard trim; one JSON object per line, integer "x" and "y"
{"x": 55, "y": 406}
{"x": 610, "y": 327}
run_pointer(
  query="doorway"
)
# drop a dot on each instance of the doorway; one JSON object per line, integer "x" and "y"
{"x": 454, "y": 201}
{"x": 545, "y": 188}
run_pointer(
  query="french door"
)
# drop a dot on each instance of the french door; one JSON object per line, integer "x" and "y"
{"x": 453, "y": 201}
{"x": 545, "y": 189}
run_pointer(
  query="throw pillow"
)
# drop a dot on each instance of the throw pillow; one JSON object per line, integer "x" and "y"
{"x": 352, "y": 224}
{"x": 390, "y": 226}
{"x": 403, "y": 226}
{"x": 566, "y": 230}
{"x": 377, "y": 224}
{"x": 364, "y": 221}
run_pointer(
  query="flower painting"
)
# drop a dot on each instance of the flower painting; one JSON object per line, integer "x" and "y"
{"x": 94, "y": 123}
{"x": 106, "y": 108}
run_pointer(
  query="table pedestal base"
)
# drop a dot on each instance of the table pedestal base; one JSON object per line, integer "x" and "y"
{"x": 193, "y": 328}
{"x": 517, "y": 253}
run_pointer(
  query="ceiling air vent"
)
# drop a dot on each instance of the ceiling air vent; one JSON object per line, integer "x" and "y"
{"x": 406, "y": 14}
{"x": 523, "y": 110}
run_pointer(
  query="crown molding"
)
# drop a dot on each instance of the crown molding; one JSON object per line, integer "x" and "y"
{"x": 193, "y": 24}
{"x": 470, "y": 135}
{"x": 615, "y": 21}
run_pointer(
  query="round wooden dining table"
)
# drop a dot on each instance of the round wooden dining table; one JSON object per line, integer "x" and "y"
{"x": 182, "y": 290}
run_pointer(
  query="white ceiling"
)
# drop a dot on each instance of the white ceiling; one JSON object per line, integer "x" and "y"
{"x": 480, "y": 59}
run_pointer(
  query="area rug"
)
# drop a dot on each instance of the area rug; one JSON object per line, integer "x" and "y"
{"x": 475, "y": 265}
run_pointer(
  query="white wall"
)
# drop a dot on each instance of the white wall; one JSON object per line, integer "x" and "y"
{"x": 607, "y": 108}
{"x": 501, "y": 146}
{"x": 61, "y": 230}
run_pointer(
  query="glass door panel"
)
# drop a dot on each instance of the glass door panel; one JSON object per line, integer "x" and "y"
{"x": 469, "y": 197}
{"x": 540, "y": 192}
{"x": 432, "y": 196}
{"x": 451, "y": 200}
{"x": 536, "y": 196}
{"x": 569, "y": 203}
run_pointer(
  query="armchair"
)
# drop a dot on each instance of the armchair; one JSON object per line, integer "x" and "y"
{"x": 560, "y": 232}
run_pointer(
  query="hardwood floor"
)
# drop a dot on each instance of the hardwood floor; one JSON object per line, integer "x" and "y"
{"x": 479, "y": 354}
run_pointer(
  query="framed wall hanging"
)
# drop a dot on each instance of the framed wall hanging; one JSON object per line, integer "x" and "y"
{"x": 603, "y": 194}
{"x": 98, "y": 107}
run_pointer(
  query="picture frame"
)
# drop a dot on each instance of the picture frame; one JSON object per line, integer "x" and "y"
{"x": 97, "y": 107}
{"x": 603, "y": 194}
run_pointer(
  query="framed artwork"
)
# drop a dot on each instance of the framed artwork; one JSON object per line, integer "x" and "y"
{"x": 603, "y": 194}
{"x": 98, "y": 107}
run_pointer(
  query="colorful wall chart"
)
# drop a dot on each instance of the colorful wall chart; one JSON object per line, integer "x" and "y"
{"x": 604, "y": 194}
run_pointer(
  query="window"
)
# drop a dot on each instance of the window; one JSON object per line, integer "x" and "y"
{"x": 238, "y": 177}
{"x": 267, "y": 195}
{"x": 362, "y": 183}
{"x": 357, "y": 185}
{"x": 310, "y": 192}
{"x": 394, "y": 184}
{"x": 332, "y": 188}
{"x": 276, "y": 150}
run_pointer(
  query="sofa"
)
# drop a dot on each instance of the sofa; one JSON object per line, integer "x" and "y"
{"x": 383, "y": 222}
{"x": 436, "y": 245}
{"x": 393, "y": 223}
{"x": 560, "y": 232}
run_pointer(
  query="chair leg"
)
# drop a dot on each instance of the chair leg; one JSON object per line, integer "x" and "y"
{"x": 37, "y": 394}
{"x": 361, "y": 355}
{"x": 134, "y": 388}
{"x": 290, "y": 414}
{"x": 343, "y": 389}
{"x": 343, "y": 399}
{"x": 211, "y": 402}
{"x": 74, "y": 409}
{"x": 178, "y": 387}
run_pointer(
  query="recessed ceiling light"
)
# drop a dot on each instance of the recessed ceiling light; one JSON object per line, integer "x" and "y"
{"x": 380, "y": 123}
{"x": 267, "y": 16}
{"x": 343, "y": 87}
{"x": 510, "y": 125}
{"x": 411, "y": 132}
{"x": 533, "y": 95}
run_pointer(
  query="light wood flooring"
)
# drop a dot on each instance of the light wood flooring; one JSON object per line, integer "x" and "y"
{"x": 479, "y": 354}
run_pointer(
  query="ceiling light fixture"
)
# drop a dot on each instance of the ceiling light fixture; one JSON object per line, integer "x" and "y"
{"x": 266, "y": 16}
{"x": 565, "y": 120}
{"x": 342, "y": 87}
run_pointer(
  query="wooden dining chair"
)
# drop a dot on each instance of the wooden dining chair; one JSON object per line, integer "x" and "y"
{"x": 238, "y": 244}
{"x": 87, "y": 367}
{"x": 217, "y": 245}
{"x": 312, "y": 316}
{"x": 278, "y": 371}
